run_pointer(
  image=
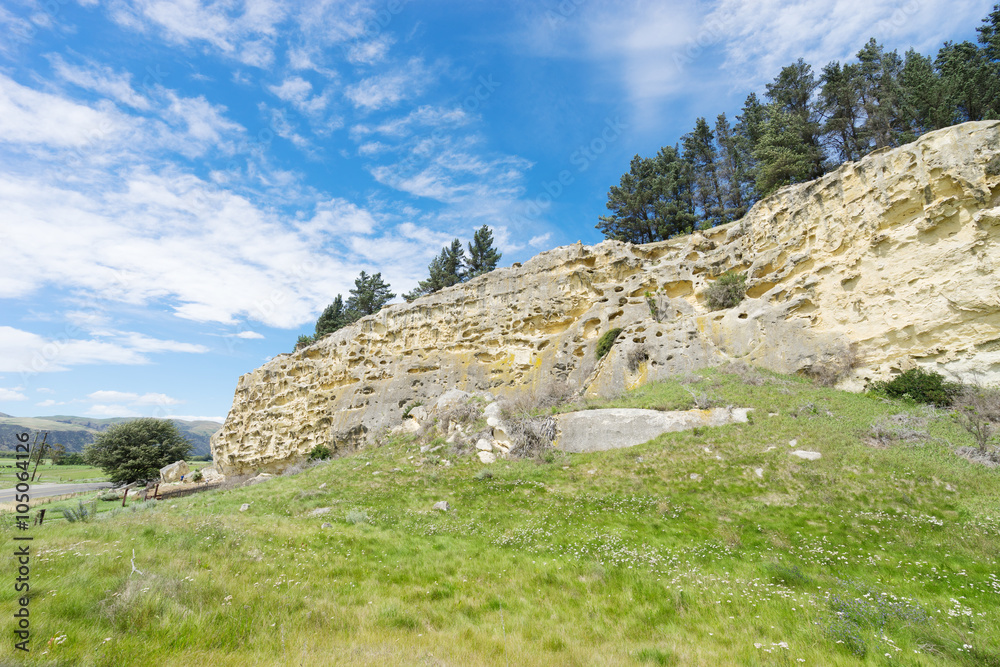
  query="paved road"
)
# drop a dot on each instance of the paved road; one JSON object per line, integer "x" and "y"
{"x": 46, "y": 490}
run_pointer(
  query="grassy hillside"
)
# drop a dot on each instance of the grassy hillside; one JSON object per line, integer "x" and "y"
{"x": 709, "y": 548}
{"x": 78, "y": 432}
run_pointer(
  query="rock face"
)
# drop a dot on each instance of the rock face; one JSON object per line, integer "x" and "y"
{"x": 896, "y": 254}
{"x": 600, "y": 430}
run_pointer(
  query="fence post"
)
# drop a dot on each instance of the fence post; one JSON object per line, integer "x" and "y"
{"x": 41, "y": 517}
{"x": 124, "y": 496}
{"x": 156, "y": 492}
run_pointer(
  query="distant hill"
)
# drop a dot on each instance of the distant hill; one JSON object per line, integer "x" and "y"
{"x": 75, "y": 433}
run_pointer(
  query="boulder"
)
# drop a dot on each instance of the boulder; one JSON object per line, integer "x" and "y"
{"x": 487, "y": 457}
{"x": 484, "y": 445}
{"x": 174, "y": 472}
{"x": 808, "y": 456}
{"x": 244, "y": 507}
{"x": 442, "y": 506}
{"x": 452, "y": 398}
{"x": 599, "y": 430}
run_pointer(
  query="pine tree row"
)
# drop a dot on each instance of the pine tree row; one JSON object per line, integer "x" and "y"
{"x": 805, "y": 127}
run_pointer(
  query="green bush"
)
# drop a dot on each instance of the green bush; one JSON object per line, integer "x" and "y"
{"x": 606, "y": 341}
{"x": 320, "y": 452}
{"x": 726, "y": 292}
{"x": 918, "y": 385}
{"x": 197, "y": 476}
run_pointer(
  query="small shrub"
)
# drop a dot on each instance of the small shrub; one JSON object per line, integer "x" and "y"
{"x": 790, "y": 576}
{"x": 530, "y": 436}
{"x": 107, "y": 496}
{"x": 636, "y": 357}
{"x": 918, "y": 385}
{"x": 606, "y": 341}
{"x": 80, "y": 513}
{"x": 320, "y": 452}
{"x": 355, "y": 517}
{"x": 657, "y": 306}
{"x": 977, "y": 410}
{"x": 902, "y": 427}
{"x": 197, "y": 476}
{"x": 836, "y": 367}
{"x": 406, "y": 412}
{"x": 726, "y": 292}
{"x": 484, "y": 475}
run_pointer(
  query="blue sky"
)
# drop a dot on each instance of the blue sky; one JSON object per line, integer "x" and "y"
{"x": 185, "y": 185}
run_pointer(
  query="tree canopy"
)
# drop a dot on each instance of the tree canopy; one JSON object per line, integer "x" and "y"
{"x": 136, "y": 450}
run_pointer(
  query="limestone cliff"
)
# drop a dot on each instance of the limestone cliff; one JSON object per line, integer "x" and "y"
{"x": 895, "y": 253}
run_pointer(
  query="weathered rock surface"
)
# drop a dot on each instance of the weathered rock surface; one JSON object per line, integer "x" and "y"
{"x": 897, "y": 253}
{"x": 600, "y": 430}
{"x": 174, "y": 472}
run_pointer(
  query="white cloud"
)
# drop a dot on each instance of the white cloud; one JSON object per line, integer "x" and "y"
{"x": 371, "y": 51}
{"x": 387, "y": 90}
{"x": 173, "y": 239}
{"x": 245, "y": 30}
{"x": 540, "y": 240}
{"x": 247, "y": 335}
{"x": 130, "y": 398}
{"x": 27, "y": 352}
{"x": 196, "y": 418}
{"x": 762, "y": 36}
{"x": 12, "y": 394}
{"x": 111, "y": 411}
{"x": 31, "y": 117}
{"x": 100, "y": 79}
{"x": 48, "y": 403}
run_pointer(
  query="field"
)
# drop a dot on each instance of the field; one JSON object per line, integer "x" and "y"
{"x": 714, "y": 547}
{"x": 64, "y": 474}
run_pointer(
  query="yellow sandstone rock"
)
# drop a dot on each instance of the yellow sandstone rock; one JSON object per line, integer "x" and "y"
{"x": 895, "y": 255}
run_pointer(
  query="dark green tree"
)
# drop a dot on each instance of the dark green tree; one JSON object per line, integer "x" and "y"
{"x": 445, "y": 270}
{"x": 790, "y": 110}
{"x": 652, "y": 202}
{"x": 136, "y": 450}
{"x": 840, "y": 103}
{"x": 970, "y": 80}
{"x": 334, "y": 316}
{"x": 370, "y": 293}
{"x": 304, "y": 340}
{"x": 701, "y": 154}
{"x": 735, "y": 177}
{"x": 880, "y": 95}
{"x": 483, "y": 257}
{"x": 748, "y": 131}
{"x": 924, "y": 105}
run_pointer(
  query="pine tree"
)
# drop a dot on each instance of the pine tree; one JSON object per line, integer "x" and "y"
{"x": 652, "y": 202}
{"x": 924, "y": 105}
{"x": 370, "y": 293}
{"x": 789, "y": 150}
{"x": 305, "y": 340}
{"x": 444, "y": 270}
{"x": 879, "y": 93}
{"x": 483, "y": 257}
{"x": 734, "y": 178}
{"x": 840, "y": 103}
{"x": 970, "y": 80}
{"x": 333, "y": 317}
{"x": 700, "y": 152}
{"x": 748, "y": 131}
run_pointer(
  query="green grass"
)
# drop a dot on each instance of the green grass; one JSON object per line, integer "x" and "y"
{"x": 68, "y": 474}
{"x": 614, "y": 558}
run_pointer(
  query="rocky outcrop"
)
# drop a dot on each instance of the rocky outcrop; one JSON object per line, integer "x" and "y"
{"x": 174, "y": 472}
{"x": 894, "y": 256}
